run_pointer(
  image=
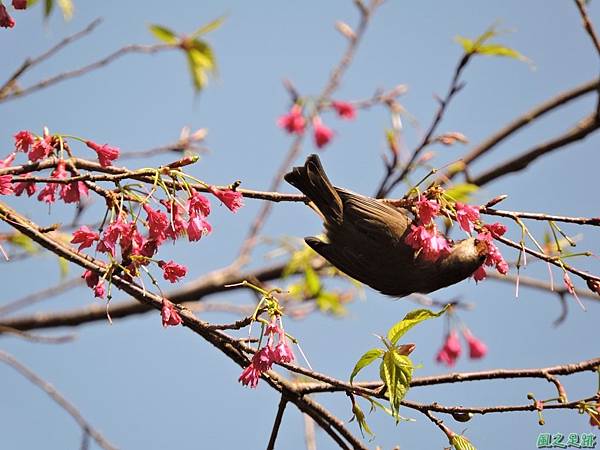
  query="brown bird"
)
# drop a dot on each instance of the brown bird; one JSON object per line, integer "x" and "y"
{"x": 365, "y": 238}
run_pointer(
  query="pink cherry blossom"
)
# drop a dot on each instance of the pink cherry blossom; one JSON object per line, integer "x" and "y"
{"x": 198, "y": 204}
{"x": 294, "y": 121}
{"x": 85, "y": 237}
{"x": 106, "y": 153}
{"x": 477, "y": 348}
{"x": 466, "y": 215}
{"x": 250, "y": 376}
{"x": 172, "y": 271}
{"x": 23, "y": 140}
{"x": 427, "y": 209}
{"x": 48, "y": 193}
{"x": 283, "y": 352}
{"x": 25, "y": 186}
{"x": 177, "y": 224}
{"x": 450, "y": 351}
{"x": 230, "y": 198}
{"x": 158, "y": 222}
{"x": 8, "y": 160}
{"x": 6, "y": 186}
{"x": 431, "y": 244}
{"x": 41, "y": 149}
{"x": 344, "y": 109}
{"x": 169, "y": 314}
{"x": 197, "y": 228}
{"x": 322, "y": 133}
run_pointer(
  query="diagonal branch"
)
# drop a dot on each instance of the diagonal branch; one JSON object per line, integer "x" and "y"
{"x": 58, "y": 398}
{"x": 586, "y": 126}
{"x": 31, "y": 62}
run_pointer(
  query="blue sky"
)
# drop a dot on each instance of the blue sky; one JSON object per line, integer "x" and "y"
{"x": 145, "y": 387}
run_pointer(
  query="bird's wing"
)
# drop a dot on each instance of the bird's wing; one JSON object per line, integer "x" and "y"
{"x": 373, "y": 217}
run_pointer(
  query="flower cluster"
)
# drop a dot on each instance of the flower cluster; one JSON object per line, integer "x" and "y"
{"x": 494, "y": 258}
{"x": 271, "y": 353}
{"x": 429, "y": 244}
{"x": 129, "y": 239}
{"x": 6, "y": 21}
{"x": 294, "y": 122}
{"x": 451, "y": 349}
{"x": 424, "y": 237}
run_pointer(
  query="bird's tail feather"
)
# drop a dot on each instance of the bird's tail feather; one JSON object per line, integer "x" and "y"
{"x": 312, "y": 181}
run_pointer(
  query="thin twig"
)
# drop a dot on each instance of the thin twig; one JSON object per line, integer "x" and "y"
{"x": 523, "y": 120}
{"x": 586, "y": 126}
{"x": 277, "y": 424}
{"x": 31, "y": 62}
{"x": 58, "y": 398}
{"x": 250, "y": 240}
{"x": 36, "y": 337}
{"x": 132, "y": 48}
{"x": 587, "y": 24}
{"x": 40, "y": 295}
{"x": 387, "y": 184}
{"x": 541, "y": 216}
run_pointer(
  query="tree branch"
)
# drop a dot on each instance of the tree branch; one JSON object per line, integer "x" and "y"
{"x": 586, "y": 126}
{"x": 58, "y": 398}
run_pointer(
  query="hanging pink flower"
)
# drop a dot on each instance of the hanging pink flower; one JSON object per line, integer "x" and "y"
{"x": 198, "y": 204}
{"x": 84, "y": 237}
{"x": 322, "y": 133}
{"x": 450, "y": 351}
{"x": 344, "y": 109}
{"x": 431, "y": 244}
{"x": 6, "y": 186}
{"x": 197, "y": 228}
{"x": 106, "y": 153}
{"x": 42, "y": 148}
{"x": 230, "y": 198}
{"x": 477, "y": 348}
{"x": 23, "y": 140}
{"x": 172, "y": 271}
{"x": 466, "y": 215}
{"x": 169, "y": 314}
{"x": 427, "y": 209}
{"x": 25, "y": 186}
{"x": 294, "y": 121}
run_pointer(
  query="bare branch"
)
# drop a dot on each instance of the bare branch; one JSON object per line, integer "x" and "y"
{"x": 58, "y": 398}
{"x": 31, "y": 62}
{"x": 277, "y": 424}
{"x": 586, "y": 126}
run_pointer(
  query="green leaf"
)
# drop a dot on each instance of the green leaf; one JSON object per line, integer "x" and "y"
{"x": 479, "y": 46}
{"x": 197, "y": 72}
{"x": 359, "y": 415}
{"x": 163, "y": 34}
{"x": 330, "y": 302}
{"x": 24, "y": 242}
{"x": 66, "y": 6}
{"x": 210, "y": 26}
{"x": 30, "y": 3}
{"x": 500, "y": 50}
{"x": 396, "y": 373}
{"x": 313, "y": 283}
{"x": 203, "y": 54}
{"x": 410, "y": 320}
{"x": 462, "y": 192}
{"x": 461, "y": 443}
{"x": 367, "y": 358}
{"x": 63, "y": 265}
{"x": 48, "y": 6}
{"x": 466, "y": 43}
